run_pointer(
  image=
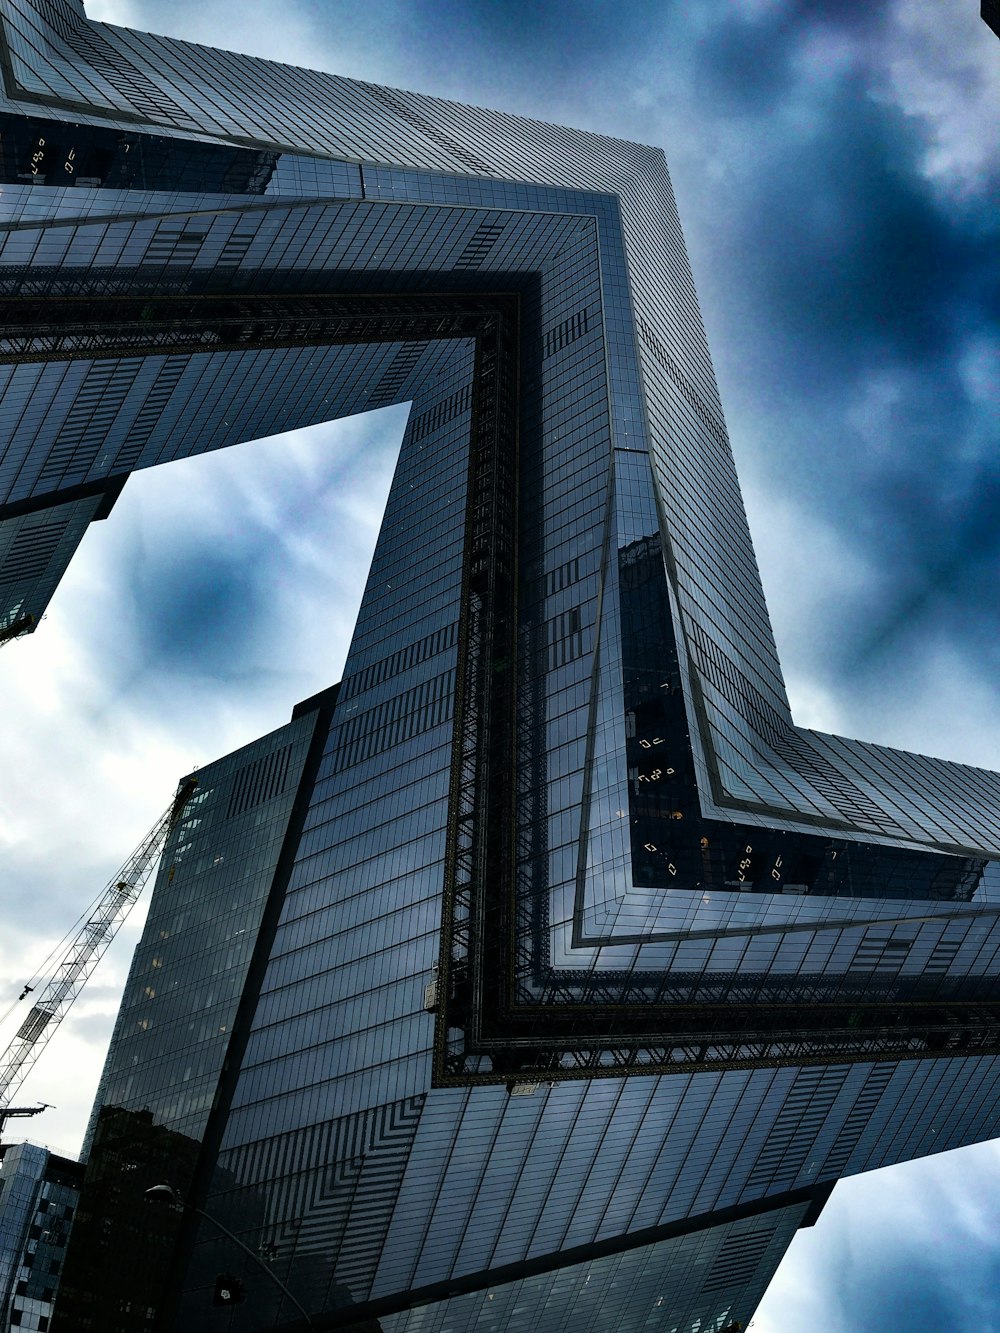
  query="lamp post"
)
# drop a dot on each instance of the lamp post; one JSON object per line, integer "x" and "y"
{"x": 166, "y": 1194}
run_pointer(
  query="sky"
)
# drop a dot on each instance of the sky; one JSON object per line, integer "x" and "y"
{"x": 836, "y": 167}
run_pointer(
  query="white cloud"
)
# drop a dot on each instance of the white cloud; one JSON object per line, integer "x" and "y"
{"x": 980, "y": 368}
{"x": 942, "y": 68}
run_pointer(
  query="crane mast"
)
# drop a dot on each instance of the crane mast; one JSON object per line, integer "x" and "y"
{"x": 82, "y": 954}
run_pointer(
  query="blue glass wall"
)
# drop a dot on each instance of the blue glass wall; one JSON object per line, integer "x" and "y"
{"x": 39, "y": 1194}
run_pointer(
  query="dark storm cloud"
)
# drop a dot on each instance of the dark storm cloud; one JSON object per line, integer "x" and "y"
{"x": 907, "y": 1290}
{"x": 744, "y": 63}
{"x": 854, "y": 256}
{"x": 564, "y": 36}
{"x": 879, "y": 1261}
{"x": 199, "y": 611}
{"x": 826, "y": 228}
{"x": 858, "y": 284}
{"x": 854, "y": 16}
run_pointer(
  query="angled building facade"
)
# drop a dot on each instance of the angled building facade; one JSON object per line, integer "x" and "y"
{"x": 580, "y": 949}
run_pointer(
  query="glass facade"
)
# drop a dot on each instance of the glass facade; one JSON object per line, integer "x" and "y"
{"x": 39, "y": 1194}
{"x": 576, "y": 938}
{"x": 699, "y": 1280}
{"x": 179, "y": 1027}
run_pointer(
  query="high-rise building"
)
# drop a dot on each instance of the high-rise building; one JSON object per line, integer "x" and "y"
{"x": 570, "y": 974}
{"x": 39, "y": 1192}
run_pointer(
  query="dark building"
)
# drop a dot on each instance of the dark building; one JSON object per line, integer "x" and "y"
{"x": 39, "y": 1193}
{"x": 123, "y": 1248}
{"x": 571, "y": 965}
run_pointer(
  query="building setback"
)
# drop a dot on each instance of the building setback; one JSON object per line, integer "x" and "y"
{"x": 572, "y": 965}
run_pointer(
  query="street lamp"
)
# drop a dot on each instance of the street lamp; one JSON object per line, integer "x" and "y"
{"x": 166, "y": 1194}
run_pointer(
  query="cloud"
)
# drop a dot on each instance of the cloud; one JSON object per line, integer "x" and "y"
{"x": 147, "y": 665}
{"x": 745, "y": 61}
{"x": 913, "y": 1249}
{"x": 201, "y": 607}
{"x": 952, "y": 86}
{"x": 854, "y": 258}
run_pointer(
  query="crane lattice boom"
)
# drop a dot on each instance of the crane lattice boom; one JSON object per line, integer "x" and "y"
{"x": 83, "y": 953}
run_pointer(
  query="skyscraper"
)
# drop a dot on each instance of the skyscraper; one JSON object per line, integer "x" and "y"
{"x": 582, "y": 959}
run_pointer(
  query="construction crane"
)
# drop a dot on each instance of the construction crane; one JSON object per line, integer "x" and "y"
{"x": 14, "y": 630}
{"x": 61, "y": 978}
{"x": 9, "y": 1112}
